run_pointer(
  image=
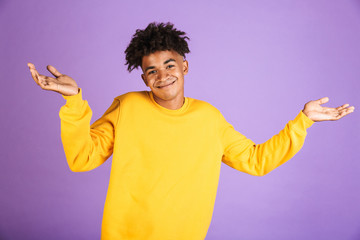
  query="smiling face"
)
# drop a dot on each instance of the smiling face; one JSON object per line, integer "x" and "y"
{"x": 163, "y": 72}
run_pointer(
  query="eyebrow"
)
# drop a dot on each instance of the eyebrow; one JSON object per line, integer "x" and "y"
{"x": 166, "y": 62}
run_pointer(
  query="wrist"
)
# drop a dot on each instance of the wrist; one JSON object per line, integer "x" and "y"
{"x": 306, "y": 113}
{"x": 74, "y": 93}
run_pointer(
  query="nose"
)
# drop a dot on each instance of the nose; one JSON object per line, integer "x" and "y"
{"x": 162, "y": 74}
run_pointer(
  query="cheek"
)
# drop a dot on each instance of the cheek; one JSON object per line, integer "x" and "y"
{"x": 178, "y": 74}
{"x": 150, "y": 82}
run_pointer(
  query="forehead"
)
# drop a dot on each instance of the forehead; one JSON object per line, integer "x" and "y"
{"x": 159, "y": 57}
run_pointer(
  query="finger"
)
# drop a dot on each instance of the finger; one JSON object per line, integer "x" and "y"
{"x": 342, "y": 114}
{"x": 322, "y": 100}
{"x": 342, "y": 107}
{"x": 34, "y": 72}
{"x": 345, "y": 112}
{"x": 336, "y": 109}
{"x": 351, "y": 109}
{"x": 30, "y": 65}
{"x": 34, "y": 76}
{"x": 53, "y": 71}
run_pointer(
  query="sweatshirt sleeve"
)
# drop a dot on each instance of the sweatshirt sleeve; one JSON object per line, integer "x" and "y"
{"x": 86, "y": 146}
{"x": 244, "y": 155}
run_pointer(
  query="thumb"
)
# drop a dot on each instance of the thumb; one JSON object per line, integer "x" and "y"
{"x": 322, "y": 100}
{"x": 53, "y": 71}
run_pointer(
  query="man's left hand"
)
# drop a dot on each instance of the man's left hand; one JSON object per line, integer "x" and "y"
{"x": 317, "y": 113}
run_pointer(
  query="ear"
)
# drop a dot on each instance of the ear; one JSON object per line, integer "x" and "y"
{"x": 144, "y": 79}
{"x": 185, "y": 67}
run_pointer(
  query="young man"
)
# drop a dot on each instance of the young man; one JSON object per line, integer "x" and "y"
{"x": 167, "y": 149}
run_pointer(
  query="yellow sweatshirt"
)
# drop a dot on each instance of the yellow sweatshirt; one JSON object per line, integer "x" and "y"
{"x": 166, "y": 163}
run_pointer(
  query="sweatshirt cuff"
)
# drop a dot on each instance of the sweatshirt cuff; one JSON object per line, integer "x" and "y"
{"x": 308, "y": 121}
{"x": 74, "y": 100}
{"x": 302, "y": 121}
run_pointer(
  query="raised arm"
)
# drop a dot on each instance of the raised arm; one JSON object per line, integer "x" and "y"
{"x": 259, "y": 159}
{"x": 86, "y": 146}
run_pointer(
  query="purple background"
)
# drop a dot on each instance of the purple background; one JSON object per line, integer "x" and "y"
{"x": 258, "y": 62}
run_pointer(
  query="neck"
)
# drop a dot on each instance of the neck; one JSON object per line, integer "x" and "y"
{"x": 172, "y": 104}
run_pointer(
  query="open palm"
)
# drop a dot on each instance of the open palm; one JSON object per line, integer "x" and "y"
{"x": 62, "y": 84}
{"x": 317, "y": 113}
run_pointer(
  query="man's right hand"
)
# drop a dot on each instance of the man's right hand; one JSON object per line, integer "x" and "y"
{"x": 62, "y": 84}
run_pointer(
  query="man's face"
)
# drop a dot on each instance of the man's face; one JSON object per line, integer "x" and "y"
{"x": 163, "y": 72}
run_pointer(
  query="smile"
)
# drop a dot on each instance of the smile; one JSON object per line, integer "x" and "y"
{"x": 167, "y": 85}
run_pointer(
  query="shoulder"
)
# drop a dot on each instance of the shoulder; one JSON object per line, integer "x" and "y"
{"x": 132, "y": 96}
{"x": 203, "y": 106}
{"x": 210, "y": 112}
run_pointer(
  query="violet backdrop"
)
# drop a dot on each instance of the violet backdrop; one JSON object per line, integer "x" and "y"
{"x": 257, "y": 61}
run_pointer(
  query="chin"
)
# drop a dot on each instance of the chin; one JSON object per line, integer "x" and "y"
{"x": 166, "y": 96}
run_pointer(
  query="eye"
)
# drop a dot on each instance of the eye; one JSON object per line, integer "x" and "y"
{"x": 170, "y": 66}
{"x": 151, "y": 72}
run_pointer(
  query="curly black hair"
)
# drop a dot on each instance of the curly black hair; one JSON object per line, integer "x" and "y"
{"x": 155, "y": 37}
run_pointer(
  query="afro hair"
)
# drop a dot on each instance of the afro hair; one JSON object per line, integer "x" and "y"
{"x": 155, "y": 37}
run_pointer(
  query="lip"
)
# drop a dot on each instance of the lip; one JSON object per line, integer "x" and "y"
{"x": 167, "y": 84}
